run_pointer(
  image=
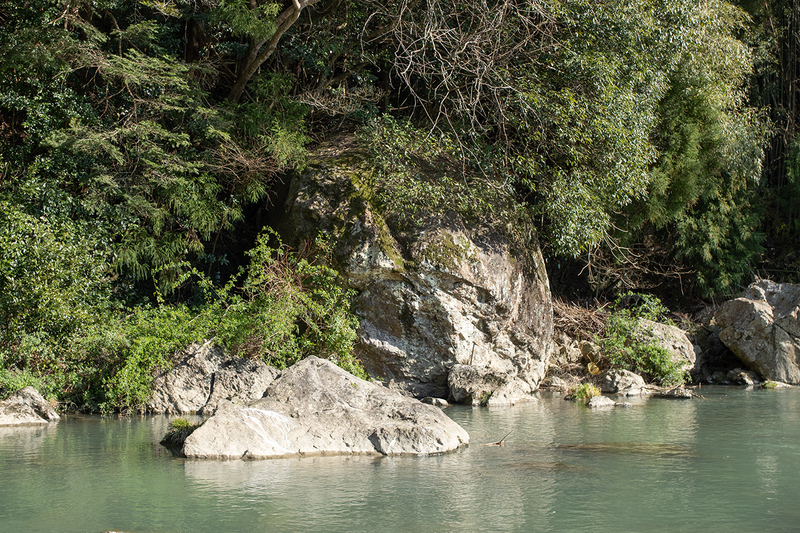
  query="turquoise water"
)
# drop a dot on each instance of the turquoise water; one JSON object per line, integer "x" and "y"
{"x": 726, "y": 463}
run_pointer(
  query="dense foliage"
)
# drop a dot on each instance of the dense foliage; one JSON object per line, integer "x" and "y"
{"x": 628, "y": 344}
{"x": 141, "y": 141}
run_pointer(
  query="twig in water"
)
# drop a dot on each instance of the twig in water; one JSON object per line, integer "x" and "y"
{"x": 501, "y": 442}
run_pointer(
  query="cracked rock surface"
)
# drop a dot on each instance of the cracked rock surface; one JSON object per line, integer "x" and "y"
{"x": 431, "y": 295}
{"x": 316, "y": 408}
{"x": 762, "y": 327}
{"x": 204, "y": 378}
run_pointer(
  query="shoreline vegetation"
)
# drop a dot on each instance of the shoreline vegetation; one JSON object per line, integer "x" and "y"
{"x": 631, "y": 152}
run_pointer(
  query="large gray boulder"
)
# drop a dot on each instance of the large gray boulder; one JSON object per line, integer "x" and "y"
{"x": 477, "y": 385}
{"x": 315, "y": 407}
{"x": 431, "y": 296}
{"x": 204, "y": 377}
{"x": 26, "y": 407}
{"x": 623, "y": 382}
{"x": 762, "y": 327}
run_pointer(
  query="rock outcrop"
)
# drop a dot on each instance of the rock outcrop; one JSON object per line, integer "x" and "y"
{"x": 430, "y": 297}
{"x": 26, "y": 407}
{"x": 315, "y": 407}
{"x": 204, "y": 377}
{"x": 476, "y": 385}
{"x": 762, "y": 327}
{"x": 672, "y": 339}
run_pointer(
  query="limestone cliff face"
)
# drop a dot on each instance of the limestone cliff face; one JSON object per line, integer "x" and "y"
{"x": 438, "y": 295}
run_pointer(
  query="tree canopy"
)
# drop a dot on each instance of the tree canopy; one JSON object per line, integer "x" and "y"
{"x": 141, "y": 140}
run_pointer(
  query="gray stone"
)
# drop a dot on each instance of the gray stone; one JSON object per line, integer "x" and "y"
{"x": 476, "y": 385}
{"x": 315, "y": 407}
{"x": 26, "y": 407}
{"x": 239, "y": 381}
{"x": 671, "y": 338}
{"x": 737, "y": 376}
{"x": 435, "y": 295}
{"x": 674, "y": 394}
{"x": 623, "y": 382}
{"x": 762, "y": 327}
{"x": 601, "y": 402}
{"x": 438, "y": 402}
{"x": 204, "y": 377}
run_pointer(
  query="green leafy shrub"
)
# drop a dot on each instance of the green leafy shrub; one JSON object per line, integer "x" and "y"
{"x": 585, "y": 391}
{"x": 422, "y": 174}
{"x": 286, "y": 309}
{"x": 623, "y": 347}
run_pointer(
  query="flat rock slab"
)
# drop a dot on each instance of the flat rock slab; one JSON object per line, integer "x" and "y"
{"x": 26, "y": 407}
{"x": 316, "y": 408}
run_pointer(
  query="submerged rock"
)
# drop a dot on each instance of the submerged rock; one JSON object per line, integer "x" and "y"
{"x": 775, "y": 385}
{"x": 674, "y": 394}
{"x": 432, "y": 294}
{"x": 204, "y": 377}
{"x": 638, "y": 448}
{"x": 315, "y": 407}
{"x": 762, "y": 327}
{"x": 26, "y": 407}
{"x": 484, "y": 386}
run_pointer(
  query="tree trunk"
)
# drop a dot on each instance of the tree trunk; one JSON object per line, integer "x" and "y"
{"x": 256, "y": 56}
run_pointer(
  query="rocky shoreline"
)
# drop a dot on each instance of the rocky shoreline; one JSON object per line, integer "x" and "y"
{"x": 254, "y": 411}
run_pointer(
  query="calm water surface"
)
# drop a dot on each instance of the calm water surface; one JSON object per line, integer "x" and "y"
{"x": 726, "y": 463}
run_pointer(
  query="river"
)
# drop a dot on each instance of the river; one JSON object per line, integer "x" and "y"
{"x": 727, "y": 463}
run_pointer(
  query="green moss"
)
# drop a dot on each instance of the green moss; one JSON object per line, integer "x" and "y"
{"x": 447, "y": 251}
{"x": 485, "y": 397}
{"x": 362, "y": 195}
{"x": 180, "y": 429}
{"x": 769, "y": 385}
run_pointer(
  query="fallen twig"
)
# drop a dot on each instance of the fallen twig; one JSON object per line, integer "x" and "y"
{"x": 501, "y": 442}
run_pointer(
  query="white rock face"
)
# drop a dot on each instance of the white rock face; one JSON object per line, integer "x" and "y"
{"x": 204, "y": 377}
{"x": 316, "y": 408}
{"x": 430, "y": 297}
{"x": 762, "y": 327}
{"x": 26, "y": 407}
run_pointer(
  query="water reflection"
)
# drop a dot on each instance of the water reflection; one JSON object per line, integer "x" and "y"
{"x": 725, "y": 463}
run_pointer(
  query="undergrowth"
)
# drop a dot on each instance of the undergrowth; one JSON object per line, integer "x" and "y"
{"x": 625, "y": 342}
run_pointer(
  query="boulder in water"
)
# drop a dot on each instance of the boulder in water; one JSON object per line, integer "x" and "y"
{"x": 476, "y": 385}
{"x": 623, "y": 382}
{"x": 316, "y": 408}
